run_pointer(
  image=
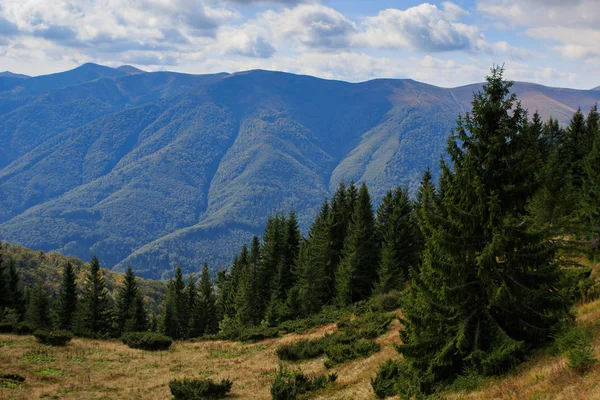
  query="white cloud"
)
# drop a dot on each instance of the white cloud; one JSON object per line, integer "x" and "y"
{"x": 574, "y": 25}
{"x": 453, "y": 12}
{"x": 311, "y": 26}
{"x": 250, "y": 40}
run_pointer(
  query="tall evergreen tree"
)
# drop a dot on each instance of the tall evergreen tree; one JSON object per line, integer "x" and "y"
{"x": 270, "y": 260}
{"x": 15, "y": 289}
{"x": 399, "y": 240}
{"x": 67, "y": 302}
{"x": 488, "y": 287}
{"x": 248, "y": 309}
{"x": 38, "y": 308}
{"x": 4, "y": 294}
{"x": 340, "y": 212}
{"x": 576, "y": 143}
{"x": 95, "y": 303}
{"x": 238, "y": 269}
{"x": 291, "y": 248}
{"x": 126, "y": 306}
{"x": 590, "y": 197}
{"x": 192, "y": 318}
{"x": 175, "y": 312}
{"x": 207, "y": 303}
{"x": 357, "y": 272}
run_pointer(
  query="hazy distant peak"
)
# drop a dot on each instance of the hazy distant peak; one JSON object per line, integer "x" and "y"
{"x": 130, "y": 69}
{"x": 8, "y": 74}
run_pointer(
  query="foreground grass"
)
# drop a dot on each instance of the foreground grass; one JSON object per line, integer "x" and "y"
{"x": 92, "y": 369}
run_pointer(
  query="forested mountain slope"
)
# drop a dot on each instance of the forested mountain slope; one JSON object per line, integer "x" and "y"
{"x": 161, "y": 168}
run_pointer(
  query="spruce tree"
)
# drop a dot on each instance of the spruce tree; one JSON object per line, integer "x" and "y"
{"x": 175, "y": 312}
{"x": 139, "y": 321}
{"x": 270, "y": 260}
{"x": 489, "y": 286}
{"x": 207, "y": 303}
{"x": 67, "y": 302}
{"x": 287, "y": 264}
{"x": 248, "y": 309}
{"x": 238, "y": 269}
{"x": 340, "y": 214}
{"x": 575, "y": 145}
{"x": 127, "y": 303}
{"x": 95, "y": 303}
{"x": 38, "y": 308}
{"x": 15, "y": 289}
{"x": 590, "y": 198}
{"x": 4, "y": 294}
{"x": 192, "y": 316}
{"x": 399, "y": 241}
{"x": 357, "y": 272}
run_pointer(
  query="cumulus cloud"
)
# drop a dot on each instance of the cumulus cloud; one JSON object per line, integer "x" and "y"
{"x": 249, "y": 41}
{"x": 574, "y": 25}
{"x": 423, "y": 27}
{"x": 115, "y": 26}
{"x": 311, "y": 26}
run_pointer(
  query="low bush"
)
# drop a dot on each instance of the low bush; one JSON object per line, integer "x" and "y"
{"x": 387, "y": 302}
{"x": 289, "y": 384}
{"x": 341, "y": 348}
{"x": 302, "y": 350}
{"x": 196, "y": 389}
{"x": 367, "y": 326}
{"x": 147, "y": 341}
{"x": 384, "y": 384}
{"x": 580, "y": 357}
{"x": 53, "y": 338}
{"x": 11, "y": 381}
{"x": 24, "y": 328}
{"x": 6, "y": 327}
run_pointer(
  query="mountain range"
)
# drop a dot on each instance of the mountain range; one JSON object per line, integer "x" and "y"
{"x": 155, "y": 169}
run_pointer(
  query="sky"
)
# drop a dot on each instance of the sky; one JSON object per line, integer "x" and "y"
{"x": 552, "y": 42}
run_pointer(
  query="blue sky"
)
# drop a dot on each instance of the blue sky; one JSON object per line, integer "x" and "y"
{"x": 552, "y": 42}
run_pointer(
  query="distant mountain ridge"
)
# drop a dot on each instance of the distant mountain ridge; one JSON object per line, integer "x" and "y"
{"x": 158, "y": 168}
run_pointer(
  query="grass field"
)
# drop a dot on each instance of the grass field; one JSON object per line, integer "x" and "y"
{"x": 92, "y": 369}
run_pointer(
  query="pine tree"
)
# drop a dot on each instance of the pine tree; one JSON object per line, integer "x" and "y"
{"x": 223, "y": 285}
{"x": 590, "y": 197}
{"x": 488, "y": 287}
{"x": 576, "y": 143}
{"x": 15, "y": 289}
{"x": 127, "y": 303}
{"x": 4, "y": 294}
{"x": 270, "y": 259}
{"x": 357, "y": 272}
{"x": 238, "y": 269}
{"x": 207, "y": 303}
{"x": 291, "y": 249}
{"x": 400, "y": 241}
{"x": 340, "y": 213}
{"x": 312, "y": 279}
{"x": 248, "y": 309}
{"x": 67, "y": 302}
{"x": 175, "y": 312}
{"x": 139, "y": 321}
{"x": 38, "y": 308}
{"x": 192, "y": 316}
{"x": 95, "y": 303}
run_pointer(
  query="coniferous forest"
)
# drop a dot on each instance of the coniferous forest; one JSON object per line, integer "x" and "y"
{"x": 484, "y": 262}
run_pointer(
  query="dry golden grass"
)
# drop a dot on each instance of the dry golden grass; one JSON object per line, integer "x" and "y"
{"x": 91, "y": 369}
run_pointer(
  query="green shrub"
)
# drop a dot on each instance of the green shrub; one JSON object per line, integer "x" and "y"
{"x": 257, "y": 334}
{"x": 386, "y": 302}
{"x": 302, "y": 350}
{"x": 196, "y": 389}
{"x": 367, "y": 326}
{"x": 289, "y": 384}
{"x": 11, "y": 381}
{"x": 384, "y": 384}
{"x": 147, "y": 341}
{"x": 580, "y": 356}
{"x": 53, "y": 338}
{"x": 341, "y": 348}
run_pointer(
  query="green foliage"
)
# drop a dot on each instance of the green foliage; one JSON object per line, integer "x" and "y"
{"x": 356, "y": 274}
{"x": 341, "y": 348}
{"x": 581, "y": 356}
{"x": 290, "y": 384}
{"x": 197, "y": 389}
{"x": 67, "y": 298}
{"x": 53, "y": 338}
{"x": 175, "y": 315}
{"x": 207, "y": 306}
{"x": 300, "y": 350}
{"x": 95, "y": 303}
{"x": 147, "y": 341}
{"x": 489, "y": 286}
{"x": 388, "y": 374}
{"x": 11, "y": 381}
{"x": 130, "y": 309}
{"x": 38, "y": 309}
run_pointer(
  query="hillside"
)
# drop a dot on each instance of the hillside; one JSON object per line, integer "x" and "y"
{"x": 134, "y": 374}
{"x": 155, "y": 169}
{"x": 46, "y": 269}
